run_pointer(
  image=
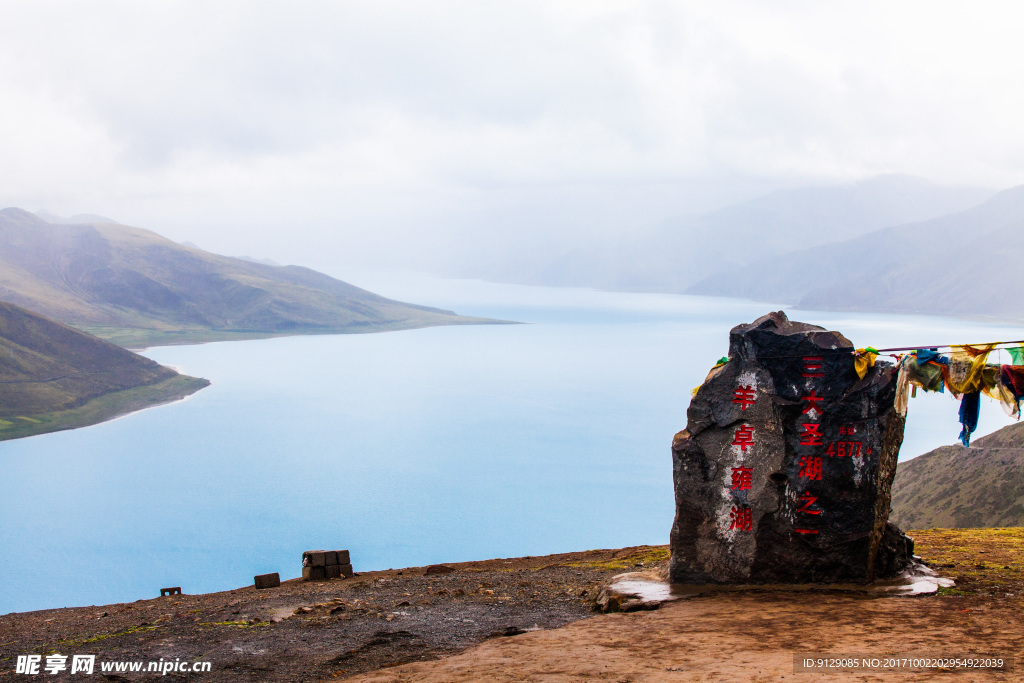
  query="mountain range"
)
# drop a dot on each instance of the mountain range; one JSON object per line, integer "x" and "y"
{"x": 676, "y": 254}
{"x": 893, "y": 244}
{"x": 679, "y": 253}
{"x": 957, "y": 487}
{"x": 136, "y": 288}
{"x": 959, "y": 264}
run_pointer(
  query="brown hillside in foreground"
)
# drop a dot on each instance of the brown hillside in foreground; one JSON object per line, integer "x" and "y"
{"x": 529, "y": 619}
{"x": 46, "y": 367}
{"x": 953, "y": 487}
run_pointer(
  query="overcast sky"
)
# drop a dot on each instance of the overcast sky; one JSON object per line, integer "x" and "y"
{"x": 294, "y": 130}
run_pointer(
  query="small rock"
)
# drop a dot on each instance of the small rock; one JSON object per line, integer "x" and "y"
{"x": 507, "y": 632}
{"x": 438, "y": 569}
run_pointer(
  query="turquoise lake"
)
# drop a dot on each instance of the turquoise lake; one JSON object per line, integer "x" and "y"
{"x": 407, "y": 448}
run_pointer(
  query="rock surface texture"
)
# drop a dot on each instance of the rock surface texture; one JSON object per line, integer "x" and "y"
{"x": 784, "y": 470}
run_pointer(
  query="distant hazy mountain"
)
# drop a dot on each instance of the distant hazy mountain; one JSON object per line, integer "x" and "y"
{"x": 956, "y": 487}
{"x": 960, "y": 264}
{"x": 134, "y": 287}
{"x": 55, "y": 377}
{"x": 675, "y": 255}
{"x": 76, "y": 219}
{"x": 685, "y": 251}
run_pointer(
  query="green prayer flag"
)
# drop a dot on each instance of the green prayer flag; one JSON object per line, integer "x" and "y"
{"x": 1017, "y": 354}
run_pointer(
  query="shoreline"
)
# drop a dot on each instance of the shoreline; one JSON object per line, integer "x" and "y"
{"x": 139, "y": 340}
{"x": 104, "y": 408}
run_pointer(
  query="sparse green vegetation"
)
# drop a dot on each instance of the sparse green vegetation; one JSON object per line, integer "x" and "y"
{"x": 644, "y": 559}
{"x": 105, "y": 407}
{"x": 74, "y": 642}
{"x": 981, "y": 561}
{"x": 236, "y": 624}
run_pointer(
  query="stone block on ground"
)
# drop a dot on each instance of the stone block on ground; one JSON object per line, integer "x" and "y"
{"x": 307, "y": 560}
{"x": 330, "y": 557}
{"x": 267, "y": 581}
{"x": 343, "y": 557}
{"x": 346, "y": 570}
{"x": 332, "y": 571}
{"x": 313, "y": 573}
{"x": 314, "y": 558}
{"x": 783, "y": 473}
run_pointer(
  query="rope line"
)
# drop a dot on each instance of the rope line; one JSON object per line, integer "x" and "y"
{"x": 832, "y": 352}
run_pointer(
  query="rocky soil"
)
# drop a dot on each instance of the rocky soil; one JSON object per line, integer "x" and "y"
{"x": 531, "y": 619}
{"x": 306, "y": 631}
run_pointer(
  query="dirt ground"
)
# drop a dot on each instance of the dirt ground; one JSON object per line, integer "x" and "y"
{"x": 530, "y": 619}
{"x": 306, "y": 631}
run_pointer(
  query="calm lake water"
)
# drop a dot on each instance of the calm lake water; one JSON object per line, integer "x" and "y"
{"x": 407, "y": 448}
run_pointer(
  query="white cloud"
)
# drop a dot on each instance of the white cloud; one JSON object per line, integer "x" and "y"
{"x": 241, "y": 117}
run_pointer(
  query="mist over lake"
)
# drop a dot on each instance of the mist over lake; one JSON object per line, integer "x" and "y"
{"x": 407, "y": 448}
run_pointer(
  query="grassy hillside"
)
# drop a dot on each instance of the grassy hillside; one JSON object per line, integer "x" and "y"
{"x": 55, "y": 377}
{"x": 135, "y": 287}
{"x": 957, "y": 487}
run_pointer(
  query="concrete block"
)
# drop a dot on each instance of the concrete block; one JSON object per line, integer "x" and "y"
{"x": 331, "y": 558}
{"x": 332, "y": 571}
{"x": 314, "y": 558}
{"x": 343, "y": 557}
{"x": 307, "y": 558}
{"x": 267, "y": 580}
{"x": 170, "y": 591}
{"x": 346, "y": 570}
{"x": 313, "y": 573}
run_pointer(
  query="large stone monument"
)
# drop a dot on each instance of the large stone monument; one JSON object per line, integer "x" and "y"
{"x": 784, "y": 470}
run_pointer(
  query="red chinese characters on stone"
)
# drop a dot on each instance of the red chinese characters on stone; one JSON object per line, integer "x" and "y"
{"x": 744, "y": 437}
{"x": 741, "y": 518}
{"x": 812, "y": 400}
{"x": 813, "y": 367}
{"x": 811, "y": 435}
{"x": 806, "y": 500}
{"x": 847, "y": 431}
{"x": 745, "y": 396}
{"x": 810, "y": 467}
{"x": 742, "y": 478}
